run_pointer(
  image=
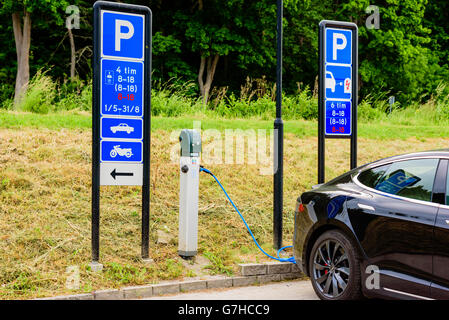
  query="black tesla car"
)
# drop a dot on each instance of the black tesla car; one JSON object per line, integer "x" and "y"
{"x": 380, "y": 230}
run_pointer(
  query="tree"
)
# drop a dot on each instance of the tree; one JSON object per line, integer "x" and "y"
{"x": 214, "y": 29}
{"x": 396, "y": 58}
{"x": 23, "y": 40}
{"x": 21, "y": 12}
{"x": 72, "y": 22}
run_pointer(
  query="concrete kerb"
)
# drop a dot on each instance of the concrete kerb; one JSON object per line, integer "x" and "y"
{"x": 251, "y": 274}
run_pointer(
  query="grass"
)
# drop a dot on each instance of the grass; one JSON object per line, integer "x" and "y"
{"x": 45, "y": 180}
{"x": 385, "y": 128}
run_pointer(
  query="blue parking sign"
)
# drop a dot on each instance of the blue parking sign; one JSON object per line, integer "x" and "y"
{"x": 122, "y": 80}
{"x": 338, "y": 46}
{"x": 122, "y": 35}
{"x": 121, "y": 107}
{"x": 338, "y": 84}
{"x": 337, "y": 103}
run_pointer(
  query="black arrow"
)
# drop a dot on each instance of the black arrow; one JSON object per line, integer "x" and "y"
{"x": 123, "y": 174}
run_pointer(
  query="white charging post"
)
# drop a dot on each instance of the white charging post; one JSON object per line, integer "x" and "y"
{"x": 188, "y": 193}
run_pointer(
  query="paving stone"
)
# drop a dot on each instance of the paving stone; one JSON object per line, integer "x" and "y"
{"x": 252, "y": 269}
{"x": 219, "y": 283}
{"x": 84, "y": 296}
{"x": 295, "y": 268}
{"x": 193, "y": 285}
{"x": 244, "y": 281}
{"x": 165, "y": 288}
{"x": 108, "y": 295}
{"x": 278, "y": 267}
{"x": 138, "y": 292}
{"x": 268, "y": 278}
{"x": 291, "y": 276}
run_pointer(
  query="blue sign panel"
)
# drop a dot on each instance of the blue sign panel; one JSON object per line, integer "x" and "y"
{"x": 338, "y": 46}
{"x": 338, "y": 81}
{"x": 121, "y": 151}
{"x": 121, "y": 128}
{"x": 122, "y": 35}
{"x": 338, "y": 115}
{"x": 122, "y": 88}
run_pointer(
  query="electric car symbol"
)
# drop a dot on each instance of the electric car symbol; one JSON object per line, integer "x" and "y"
{"x": 123, "y": 127}
{"x": 330, "y": 81}
{"x": 127, "y": 152}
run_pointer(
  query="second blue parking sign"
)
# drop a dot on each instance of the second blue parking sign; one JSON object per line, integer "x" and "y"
{"x": 337, "y": 103}
{"x": 338, "y": 81}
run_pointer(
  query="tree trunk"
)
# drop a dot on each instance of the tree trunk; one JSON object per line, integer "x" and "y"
{"x": 72, "y": 55}
{"x": 23, "y": 41}
{"x": 211, "y": 63}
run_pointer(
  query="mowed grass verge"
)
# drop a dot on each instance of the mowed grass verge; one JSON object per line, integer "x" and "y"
{"x": 45, "y": 190}
{"x": 400, "y": 128}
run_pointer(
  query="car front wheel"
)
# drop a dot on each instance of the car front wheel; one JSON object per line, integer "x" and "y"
{"x": 334, "y": 267}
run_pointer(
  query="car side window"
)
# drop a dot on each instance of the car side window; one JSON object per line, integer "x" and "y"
{"x": 371, "y": 177}
{"x": 411, "y": 179}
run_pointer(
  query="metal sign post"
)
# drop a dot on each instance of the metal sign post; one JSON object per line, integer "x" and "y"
{"x": 278, "y": 139}
{"x": 121, "y": 107}
{"x": 338, "y": 76}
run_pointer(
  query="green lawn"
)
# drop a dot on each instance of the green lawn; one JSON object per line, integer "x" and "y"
{"x": 300, "y": 128}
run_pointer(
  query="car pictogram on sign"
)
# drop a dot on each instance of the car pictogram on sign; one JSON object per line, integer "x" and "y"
{"x": 122, "y": 127}
{"x": 330, "y": 81}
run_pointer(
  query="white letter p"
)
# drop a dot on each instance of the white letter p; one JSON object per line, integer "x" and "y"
{"x": 118, "y": 32}
{"x": 337, "y": 46}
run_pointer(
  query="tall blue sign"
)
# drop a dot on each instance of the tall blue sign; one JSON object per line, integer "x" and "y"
{"x": 338, "y": 81}
{"x": 122, "y": 93}
{"x": 121, "y": 110}
{"x": 337, "y": 104}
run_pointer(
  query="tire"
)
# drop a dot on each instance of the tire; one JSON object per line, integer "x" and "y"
{"x": 113, "y": 153}
{"x": 338, "y": 278}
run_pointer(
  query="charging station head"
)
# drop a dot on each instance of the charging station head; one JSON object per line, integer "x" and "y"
{"x": 190, "y": 143}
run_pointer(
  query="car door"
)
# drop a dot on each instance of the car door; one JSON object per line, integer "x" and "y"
{"x": 440, "y": 284}
{"x": 395, "y": 217}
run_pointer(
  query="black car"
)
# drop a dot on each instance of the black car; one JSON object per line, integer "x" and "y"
{"x": 380, "y": 230}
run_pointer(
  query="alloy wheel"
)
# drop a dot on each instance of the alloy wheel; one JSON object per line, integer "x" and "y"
{"x": 331, "y": 269}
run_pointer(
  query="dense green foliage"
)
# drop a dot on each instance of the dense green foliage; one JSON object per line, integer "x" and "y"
{"x": 407, "y": 57}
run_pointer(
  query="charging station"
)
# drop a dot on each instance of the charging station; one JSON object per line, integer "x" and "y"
{"x": 189, "y": 171}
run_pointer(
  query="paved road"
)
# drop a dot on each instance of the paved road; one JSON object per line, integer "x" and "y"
{"x": 289, "y": 290}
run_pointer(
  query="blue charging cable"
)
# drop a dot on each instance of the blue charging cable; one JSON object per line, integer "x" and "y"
{"x": 291, "y": 259}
